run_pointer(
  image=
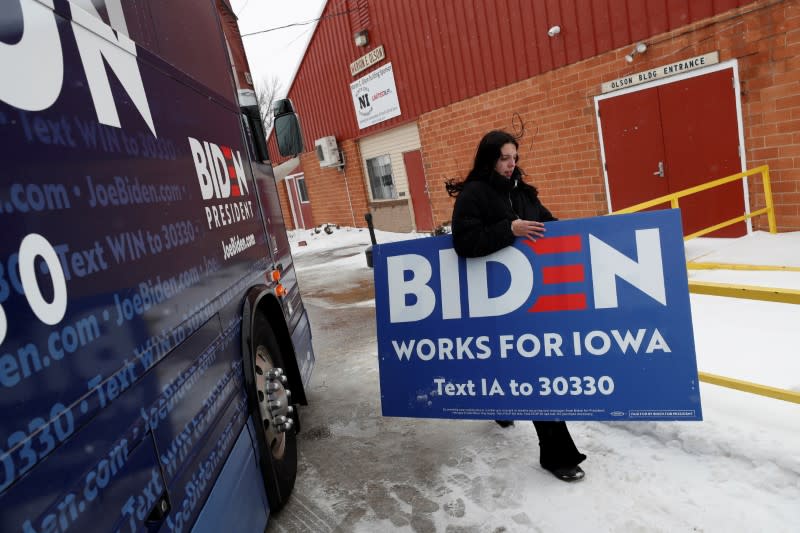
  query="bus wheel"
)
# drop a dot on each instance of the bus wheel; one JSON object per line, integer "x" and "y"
{"x": 276, "y": 414}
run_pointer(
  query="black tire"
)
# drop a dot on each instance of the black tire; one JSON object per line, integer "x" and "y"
{"x": 277, "y": 442}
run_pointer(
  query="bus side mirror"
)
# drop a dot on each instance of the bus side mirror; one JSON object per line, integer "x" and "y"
{"x": 287, "y": 128}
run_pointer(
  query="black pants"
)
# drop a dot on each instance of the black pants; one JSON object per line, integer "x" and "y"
{"x": 556, "y": 449}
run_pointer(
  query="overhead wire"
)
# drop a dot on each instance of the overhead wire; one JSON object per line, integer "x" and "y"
{"x": 347, "y": 12}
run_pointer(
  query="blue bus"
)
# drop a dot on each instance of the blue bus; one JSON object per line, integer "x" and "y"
{"x": 153, "y": 343}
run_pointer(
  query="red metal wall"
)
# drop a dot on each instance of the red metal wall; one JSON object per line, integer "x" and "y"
{"x": 444, "y": 51}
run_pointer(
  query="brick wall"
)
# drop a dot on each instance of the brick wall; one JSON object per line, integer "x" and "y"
{"x": 560, "y": 150}
{"x": 768, "y": 47}
{"x": 328, "y": 188}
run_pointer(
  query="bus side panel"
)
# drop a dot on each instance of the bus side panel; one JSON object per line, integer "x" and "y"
{"x": 114, "y": 493}
{"x": 106, "y": 465}
{"x": 197, "y": 431}
{"x": 292, "y": 303}
{"x": 301, "y": 337}
{"x": 278, "y": 240}
{"x": 238, "y": 486}
{"x": 191, "y": 489}
{"x": 128, "y": 216}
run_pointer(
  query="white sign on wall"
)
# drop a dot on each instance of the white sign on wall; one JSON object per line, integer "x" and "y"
{"x": 375, "y": 97}
{"x": 367, "y": 60}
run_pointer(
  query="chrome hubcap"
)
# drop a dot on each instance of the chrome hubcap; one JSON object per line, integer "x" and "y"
{"x": 274, "y": 401}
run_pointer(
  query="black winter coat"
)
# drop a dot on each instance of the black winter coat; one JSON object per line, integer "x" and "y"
{"x": 485, "y": 208}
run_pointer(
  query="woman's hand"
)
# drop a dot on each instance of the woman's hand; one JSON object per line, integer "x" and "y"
{"x": 527, "y": 228}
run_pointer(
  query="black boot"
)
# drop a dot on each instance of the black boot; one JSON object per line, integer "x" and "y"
{"x": 557, "y": 452}
{"x": 569, "y": 474}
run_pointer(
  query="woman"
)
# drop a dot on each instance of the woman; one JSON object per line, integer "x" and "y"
{"x": 493, "y": 207}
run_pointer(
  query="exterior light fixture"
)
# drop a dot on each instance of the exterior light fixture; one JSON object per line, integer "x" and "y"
{"x": 555, "y": 30}
{"x": 361, "y": 38}
{"x": 640, "y": 48}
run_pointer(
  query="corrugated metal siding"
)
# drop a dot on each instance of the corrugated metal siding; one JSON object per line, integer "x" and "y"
{"x": 393, "y": 143}
{"x": 444, "y": 51}
{"x": 359, "y": 14}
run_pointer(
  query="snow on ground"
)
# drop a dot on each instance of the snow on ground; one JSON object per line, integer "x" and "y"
{"x": 738, "y": 470}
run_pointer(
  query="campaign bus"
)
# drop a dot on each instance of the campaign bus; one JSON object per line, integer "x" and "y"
{"x": 153, "y": 343}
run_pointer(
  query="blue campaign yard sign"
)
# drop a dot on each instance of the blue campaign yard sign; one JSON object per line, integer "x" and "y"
{"x": 590, "y": 323}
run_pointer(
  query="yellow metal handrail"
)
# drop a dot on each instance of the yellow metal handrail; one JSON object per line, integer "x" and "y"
{"x": 749, "y": 292}
{"x": 694, "y": 265}
{"x": 746, "y": 292}
{"x": 674, "y": 197}
{"x": 733, "y": 291}
{"x": 752, "y": 388}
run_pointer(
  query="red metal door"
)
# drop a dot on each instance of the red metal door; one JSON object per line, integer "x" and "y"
{"x": 701, "y": 138}
{"x": 305, "y": 203}
{"x": 687, "y": 132}
{"x": 420, "y": 202}
{"x": 634, "y": 146}
{"x": 294, "y": 202}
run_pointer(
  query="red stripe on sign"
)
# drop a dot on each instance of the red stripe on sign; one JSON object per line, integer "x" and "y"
{"x": 226, "y": 152}
{"x": 559, "y": 302}
{"x": 235, "y": 190}
{"x": 562, "y": 274}
{"x": 556, "y": 245}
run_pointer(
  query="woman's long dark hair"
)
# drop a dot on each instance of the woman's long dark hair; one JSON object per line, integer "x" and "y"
{"x": 488, "y": 152}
